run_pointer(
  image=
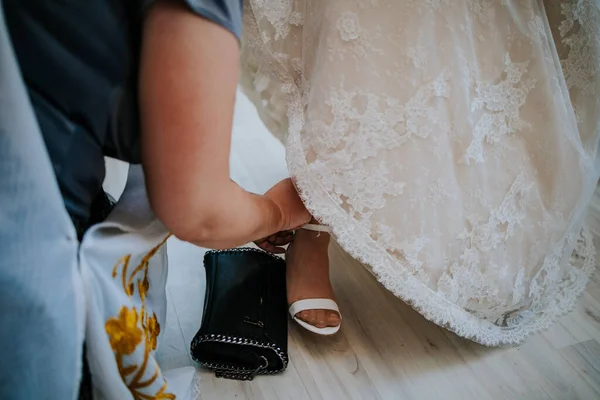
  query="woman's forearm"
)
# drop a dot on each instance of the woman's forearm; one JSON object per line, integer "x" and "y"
{"x": 188, "y": 79}
{"x": 232, "y": 217}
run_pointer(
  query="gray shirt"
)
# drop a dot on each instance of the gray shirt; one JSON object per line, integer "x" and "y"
{"x": 79, "y": 60}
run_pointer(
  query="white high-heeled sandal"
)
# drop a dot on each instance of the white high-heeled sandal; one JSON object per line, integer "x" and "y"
{"x": 315, "y": 304}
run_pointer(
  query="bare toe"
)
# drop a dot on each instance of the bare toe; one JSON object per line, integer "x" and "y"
{"x": 305, "y": 316}
{"x": 320, "y": 319}
{"x": 308, "y": 316}
{"x": 333, "y": 319}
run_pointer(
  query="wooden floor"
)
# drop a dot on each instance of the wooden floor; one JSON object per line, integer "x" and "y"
{"x": 385, "y": 350}
{"x": 388, "y": 351}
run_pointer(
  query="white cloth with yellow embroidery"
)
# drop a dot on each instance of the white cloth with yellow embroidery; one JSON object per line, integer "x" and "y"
{"x": 449, "y": 144}
{"x": 123, "y": 263}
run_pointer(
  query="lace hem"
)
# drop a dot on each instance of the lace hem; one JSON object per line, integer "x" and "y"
{"x": 358, "y": 243}
{"x": 427, "y": 302}
{"x": 275, "y": 93}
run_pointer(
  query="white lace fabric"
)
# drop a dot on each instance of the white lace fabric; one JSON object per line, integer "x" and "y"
{"x": 450, "y": 145}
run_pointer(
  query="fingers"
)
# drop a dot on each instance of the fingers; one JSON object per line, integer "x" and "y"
{"x": 266, "y": 246}
{"x": 274, "y": 242}
{"x": 281, "y": 239}
{"x": 271, "y": 248}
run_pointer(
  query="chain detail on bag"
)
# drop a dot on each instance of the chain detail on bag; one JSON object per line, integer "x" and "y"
{"x": 240, "y": 373}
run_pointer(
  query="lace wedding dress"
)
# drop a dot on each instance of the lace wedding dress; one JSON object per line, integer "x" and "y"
{"x": 449, "y": 144}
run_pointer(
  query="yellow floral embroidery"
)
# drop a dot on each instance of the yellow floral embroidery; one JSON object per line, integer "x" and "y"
{"x": 123, "y": 331}
{"x": 152, "y": 330}
{"x": 124, "y": 261}
{"x": 132, "y": 327}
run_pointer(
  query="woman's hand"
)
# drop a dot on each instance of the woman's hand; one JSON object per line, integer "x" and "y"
{"x": 286, "y": 198}
{"x": 273, "y": 243}
{"x": 293, "y": 216}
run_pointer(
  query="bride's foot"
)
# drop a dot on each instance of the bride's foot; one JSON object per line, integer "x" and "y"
{"x": 308, "y": 276}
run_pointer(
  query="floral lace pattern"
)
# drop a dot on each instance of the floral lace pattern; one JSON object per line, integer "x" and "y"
{"x": 348, "y": 26}
{"x": 450, "y": 146}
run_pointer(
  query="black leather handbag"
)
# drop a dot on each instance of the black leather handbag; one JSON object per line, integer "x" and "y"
{"x": 244, "y": 325}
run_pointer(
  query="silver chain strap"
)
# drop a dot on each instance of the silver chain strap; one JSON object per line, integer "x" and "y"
{"x": 240, "y": 373}
{"x": 242, "y": 250}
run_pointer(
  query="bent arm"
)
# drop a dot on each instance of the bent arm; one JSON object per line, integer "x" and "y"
{"x": 188, "y": 78}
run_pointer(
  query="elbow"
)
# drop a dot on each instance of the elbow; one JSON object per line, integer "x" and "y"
{"x": 197, "y": 222}
{"x": 201, "y": 233}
